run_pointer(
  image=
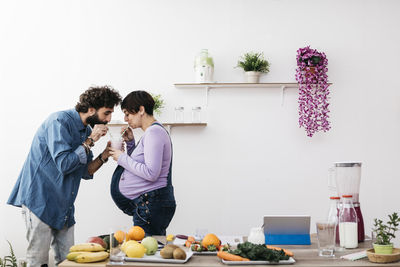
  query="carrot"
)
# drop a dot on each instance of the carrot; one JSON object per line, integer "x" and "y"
{"x": 287, "y": 252}
{"x": 230, "y": 257}
{"x": 191, "y": 239}
{"x": 188, "y": 244}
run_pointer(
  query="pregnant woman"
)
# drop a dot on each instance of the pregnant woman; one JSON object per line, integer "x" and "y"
{"x": 141, "y": 185}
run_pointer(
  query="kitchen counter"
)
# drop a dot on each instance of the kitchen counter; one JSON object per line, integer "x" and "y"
{"x": 304, "y": 256}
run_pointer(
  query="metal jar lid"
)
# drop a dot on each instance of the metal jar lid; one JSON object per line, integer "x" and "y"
{"x": 347, "y": 164}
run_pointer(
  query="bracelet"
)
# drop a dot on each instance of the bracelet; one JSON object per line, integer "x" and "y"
{"x": 91, "y": 144}
{"x": 86, "y": 147}
{"x": 101, "y": 159}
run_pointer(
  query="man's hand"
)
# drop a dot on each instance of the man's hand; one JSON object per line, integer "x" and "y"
{"x": 106, "y": 152}
{"x": 115, "y": 153}
{"x": 98, "y": 131}
{"x": 128, "y": 134}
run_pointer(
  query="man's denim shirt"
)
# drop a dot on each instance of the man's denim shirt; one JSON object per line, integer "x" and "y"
{"x": 50, "y": 178}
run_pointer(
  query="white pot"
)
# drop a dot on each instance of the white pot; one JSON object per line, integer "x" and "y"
{"x": 253, "y": 76}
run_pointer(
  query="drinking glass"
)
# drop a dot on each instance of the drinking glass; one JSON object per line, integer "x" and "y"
{"x": 326, "y": 234}
{"x": 116, "y": 255}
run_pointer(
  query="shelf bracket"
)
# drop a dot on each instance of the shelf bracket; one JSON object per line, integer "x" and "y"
{"x": 283, "y": 87}
{"x": 207, "y": 92}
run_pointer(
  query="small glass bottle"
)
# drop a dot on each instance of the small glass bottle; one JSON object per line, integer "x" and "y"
{"x": 179, "y": 114}
{"x": 196, "y": 114}
{"x": 348, "y": 233}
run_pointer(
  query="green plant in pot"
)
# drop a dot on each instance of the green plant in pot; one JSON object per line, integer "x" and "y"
{"x": 254, "y": 65}
{"x": 158, "y": 103}
{"x": 384, "y": 234}
{"x": 9, "y": 261}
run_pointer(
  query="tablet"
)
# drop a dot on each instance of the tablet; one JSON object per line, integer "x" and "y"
{"x": 287, "y": 229}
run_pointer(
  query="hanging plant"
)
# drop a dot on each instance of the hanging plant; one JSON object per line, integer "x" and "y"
{"x": 311, "y": 74}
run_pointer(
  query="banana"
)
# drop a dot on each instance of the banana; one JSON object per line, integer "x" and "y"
{"x": 86, "y": 247}
{"x": 91, "y": 256}
{"x": 72, "y": 255}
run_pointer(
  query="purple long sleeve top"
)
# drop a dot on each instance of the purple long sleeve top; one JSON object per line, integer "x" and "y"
{"x": 147, "y": 168}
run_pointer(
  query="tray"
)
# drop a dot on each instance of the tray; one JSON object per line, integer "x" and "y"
{"x": 205, "y": 252}
{"x": 285, "y": 262}
{"x": 157, "y": 258}
{"x": 381, "y": 258}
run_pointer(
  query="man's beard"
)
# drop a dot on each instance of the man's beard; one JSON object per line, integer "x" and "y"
{"x": 94, "y": 119}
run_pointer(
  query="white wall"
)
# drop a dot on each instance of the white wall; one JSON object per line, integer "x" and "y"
{"x": 251, "y": 159}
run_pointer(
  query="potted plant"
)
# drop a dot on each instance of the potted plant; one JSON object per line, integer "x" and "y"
{"x": 311, "y": 74}
{"x": 385, "y": 233}
{"x": 9, "y": 261}
{"x": 158, "y": 103}
{"x": 254, "y": 65}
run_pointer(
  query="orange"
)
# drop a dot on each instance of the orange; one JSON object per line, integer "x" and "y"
{"x": 120, "y": 236}
{"x": 136, "y": 233}
{"x": 210, "y": 239}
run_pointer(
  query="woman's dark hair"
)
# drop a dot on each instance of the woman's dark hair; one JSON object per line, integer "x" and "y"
{"x": 135, "y": 99}
{"x": 98, "y": 97}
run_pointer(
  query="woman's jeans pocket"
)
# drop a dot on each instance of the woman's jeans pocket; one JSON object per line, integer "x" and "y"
{"x": 154, "y": 212}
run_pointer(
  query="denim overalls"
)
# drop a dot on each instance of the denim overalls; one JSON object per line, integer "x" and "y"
{"x": 153, "y": 211}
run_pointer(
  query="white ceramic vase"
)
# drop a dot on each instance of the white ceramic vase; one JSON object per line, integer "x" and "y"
{"x": 253, "y": 76}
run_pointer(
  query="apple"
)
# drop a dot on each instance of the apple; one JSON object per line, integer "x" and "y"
{"x": 98, "y": 240}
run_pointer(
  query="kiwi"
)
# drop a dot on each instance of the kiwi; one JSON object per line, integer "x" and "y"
{"x": 179, "y": 254}
{"x": 172, "y": 246}
{"x": 167, "y": 252}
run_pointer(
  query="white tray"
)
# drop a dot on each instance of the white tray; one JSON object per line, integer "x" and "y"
{"x": 204, "y": 252}
{"x": 285, "y": 262}
{"x": 157, "y": 258}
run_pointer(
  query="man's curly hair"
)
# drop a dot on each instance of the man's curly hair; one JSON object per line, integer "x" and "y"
{"x": 98, "y": 97}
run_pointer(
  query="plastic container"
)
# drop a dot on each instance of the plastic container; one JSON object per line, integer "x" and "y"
{"x": 256, "y": 236}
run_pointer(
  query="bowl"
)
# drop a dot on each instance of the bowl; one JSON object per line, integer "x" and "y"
{"x": 383, "y": 258}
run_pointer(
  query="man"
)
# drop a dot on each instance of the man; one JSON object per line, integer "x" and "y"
{"x": 60, "y": 156}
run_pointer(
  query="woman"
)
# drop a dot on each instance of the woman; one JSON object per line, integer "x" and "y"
{"x": 141, "y": 185}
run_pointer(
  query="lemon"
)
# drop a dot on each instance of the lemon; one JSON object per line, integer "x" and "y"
{"x": 135, "y": 250}
{"x": 127, "y": 243}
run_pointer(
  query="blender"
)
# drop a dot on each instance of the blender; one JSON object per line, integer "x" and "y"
{"x": 347, "y": 176}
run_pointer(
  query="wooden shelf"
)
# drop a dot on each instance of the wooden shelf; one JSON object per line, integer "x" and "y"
{"x": 208, "y": 86}
{"x": 235, "y": 85}
{"x": 166, "y": 124}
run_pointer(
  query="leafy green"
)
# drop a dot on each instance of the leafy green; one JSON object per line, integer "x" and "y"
{"x": 9, "y": 261}
{"x": 385, "y": 232}
{"x": 254, "y": 62}
{"x": 212, "y": 248}
{"x": 158, "y": 103}
{"x": 259, "y": 252}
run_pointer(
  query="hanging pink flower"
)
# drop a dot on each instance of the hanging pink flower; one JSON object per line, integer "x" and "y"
{"x": 312, "y": 67}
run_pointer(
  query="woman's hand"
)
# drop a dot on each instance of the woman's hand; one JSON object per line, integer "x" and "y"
{"x": 128, "y": 133}
{"x": 115, "y": 153}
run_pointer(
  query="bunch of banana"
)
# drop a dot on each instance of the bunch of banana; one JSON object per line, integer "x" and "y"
{"x": 87, "y": 252}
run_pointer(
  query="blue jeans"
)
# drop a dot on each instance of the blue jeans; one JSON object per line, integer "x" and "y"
{"x": 153, "y": 211}
{"x": 41, "y": 237}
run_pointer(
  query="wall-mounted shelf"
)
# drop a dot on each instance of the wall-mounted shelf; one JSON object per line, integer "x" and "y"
{"x": 208, "y": 86}
{"x": 167, "y": 125}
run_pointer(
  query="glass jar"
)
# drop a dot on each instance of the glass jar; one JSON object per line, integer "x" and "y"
{"x": 196, "y": 114}
{"x": 256, "y": 236}
{"x": 179, "y": 114}
{"x": 348, "y": 232}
